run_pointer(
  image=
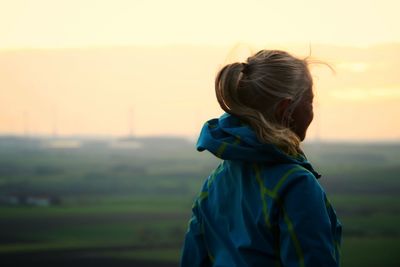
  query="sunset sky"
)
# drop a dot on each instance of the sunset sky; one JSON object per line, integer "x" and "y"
{"x": 83, "y": 67}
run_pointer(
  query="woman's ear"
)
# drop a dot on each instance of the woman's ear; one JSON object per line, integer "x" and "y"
{"x": 281, "y": 110}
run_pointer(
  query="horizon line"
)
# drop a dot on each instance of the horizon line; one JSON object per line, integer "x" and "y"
{"x": 185, "y": 137}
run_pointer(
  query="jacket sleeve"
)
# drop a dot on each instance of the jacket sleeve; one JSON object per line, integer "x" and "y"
{"x": 306, "y": 238}
{"x": 194, "y": 252}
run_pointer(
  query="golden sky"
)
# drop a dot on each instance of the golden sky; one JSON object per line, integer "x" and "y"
{"x": 65, "y": 23}
{"x": 163, "y": 73}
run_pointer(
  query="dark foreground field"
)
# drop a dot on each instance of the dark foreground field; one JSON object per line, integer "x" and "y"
{"x": 76, "y": 258}
{"x": 102, "y": 203}
{"x": 111, "y": 232}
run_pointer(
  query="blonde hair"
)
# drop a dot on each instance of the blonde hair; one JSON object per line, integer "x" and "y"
{"x": 253, "y": 90}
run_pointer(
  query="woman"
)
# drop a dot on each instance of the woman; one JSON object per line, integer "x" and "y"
{"x": 263, "y": 205}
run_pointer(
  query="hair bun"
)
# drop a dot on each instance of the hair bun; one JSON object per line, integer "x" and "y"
{"x": 245, "y": 69}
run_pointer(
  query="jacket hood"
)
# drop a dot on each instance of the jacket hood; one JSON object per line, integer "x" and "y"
{"x": 230, "y": 139}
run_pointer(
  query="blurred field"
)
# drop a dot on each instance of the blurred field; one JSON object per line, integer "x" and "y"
{"x": 127, "y": 202}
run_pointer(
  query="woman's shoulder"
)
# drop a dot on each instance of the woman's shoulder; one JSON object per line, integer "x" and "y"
{"x": 279, "y": 179}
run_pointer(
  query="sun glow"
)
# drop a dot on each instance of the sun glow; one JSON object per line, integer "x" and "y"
{"x": 81, "y": 67}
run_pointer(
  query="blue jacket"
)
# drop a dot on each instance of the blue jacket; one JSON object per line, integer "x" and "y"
{"x": 259, "y": 207}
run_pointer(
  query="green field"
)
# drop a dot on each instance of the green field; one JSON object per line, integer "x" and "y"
{"x": 120, "y": 207}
